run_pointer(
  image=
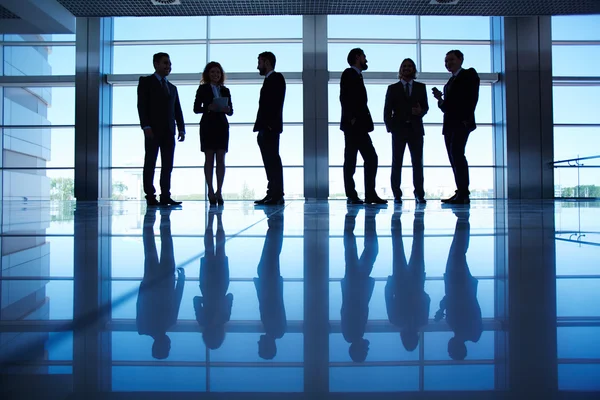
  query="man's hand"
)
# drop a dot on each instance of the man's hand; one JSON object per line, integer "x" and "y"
{"x": 148, "y": 133}
{"x": 181, "y": 136}
{"x": 437, "y": 94}
{"x": 352, "y": 121}
{"x": 417, "y": 110}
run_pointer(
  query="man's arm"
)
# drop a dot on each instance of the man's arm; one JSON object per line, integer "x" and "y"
{"x": 388, "y": 108}
{"x": 348, "y": 94}
{"x": 424, "y": 102}
{"x": 178, "y": 113}
{"x": 472, "y": 90}
{"x": 143, "y": 103}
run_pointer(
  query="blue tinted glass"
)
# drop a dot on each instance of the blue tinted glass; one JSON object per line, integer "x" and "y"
{"x": 371, "y": 27}
{"x": 575, "y": 27}
{"x": 256, "y": 27}
{"x": 454, "y": 27}
{"x": 159, "y": 28}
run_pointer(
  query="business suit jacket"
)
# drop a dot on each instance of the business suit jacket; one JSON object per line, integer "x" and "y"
{"x": 211, "y": 122}
{"x": 397, "y": 109}
{"x": 156, "y": 109}
{"x": 460, "y": 100}
{"x": 270, "y": 104}
{"x": 353, "y": 97}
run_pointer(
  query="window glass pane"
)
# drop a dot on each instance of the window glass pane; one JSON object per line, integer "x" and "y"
{"x": 579, "y": 377}
{"x": 39, "y": 60}
{"x": 575, "y": 27}
{"x": 454, "y": 27}
{"x": 158, "y": 379}
{"x": 187, "y": 58}
{"x": 244, "y": 57}
{"x": 439, "y": 182}
{"x": 373, "y": 379}
{"x": 243, "y": 347}
{"x": 159, "y": 28}
{"x": 578, "y": 342}
{"x": 459, "y": 377}
{"x": 39, "y": 147}
{"x": 58, "y": 296}
{"x": 380, "y": 57}
{"x": 131, "y": 346}
{"x": 574, "y": 142}
{"x": 575, "y": 60}
{"x": 578, "y": 297}
{"x": 576, "y": 104}
{"x": 188, "y": 183}
{"x": 570, "y": 182}
{"x": 371, "y": 27}
{"x": 256, "y": 27}
{"x": 244, "y": 379}
{"x": 476, "y": 56}
{"x": 39, "y": 106}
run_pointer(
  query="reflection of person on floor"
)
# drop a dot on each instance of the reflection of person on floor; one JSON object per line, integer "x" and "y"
{"x": 213, "y": 309}
{"x": 357, "y": 284}
{"x": 463, "y": 313}
{"x": 269, "y": 286}
{"x": 405, "y": 298}
{"x": 159, "y": 297}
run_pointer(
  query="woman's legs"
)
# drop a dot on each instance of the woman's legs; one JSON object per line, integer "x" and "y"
{"x": 220, "y": 173}
{"x": 209, "y": 160}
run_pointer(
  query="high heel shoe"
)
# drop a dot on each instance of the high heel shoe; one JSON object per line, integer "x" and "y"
{"x": 212, "y": 199}
{"x": 219, "y": 199}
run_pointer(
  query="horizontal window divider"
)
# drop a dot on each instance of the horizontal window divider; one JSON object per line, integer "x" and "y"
{"x": 202, "y": 166}
{"x": 426, "y": 124}
{"x": 577, "y": 125}
{"x": 35, "y": 168}
{"x": 37, "y": 126}
{"x": 576, "y": 80}
{"x": 38, "y": 44}
{"x": 37, "y": 81}
{"x": 576, "y": 43}
{"x": 575, "y": 166}
{"x": 457, "y": 42}
{"x": 424, "y": 166}
{"x": 241, "y": 78}
{"x": 240, "y": 236}
{"x": 425, "y": 77}
{"x": 197, "y": 124}
{"x": 205, "y": 41}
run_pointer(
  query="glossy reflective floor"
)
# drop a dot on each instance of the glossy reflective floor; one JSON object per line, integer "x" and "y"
{"x": 312, "y": 300}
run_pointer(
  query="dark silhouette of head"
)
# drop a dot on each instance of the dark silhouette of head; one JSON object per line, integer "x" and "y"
{"x": 214, "y": 336}
{"x": 410, "y": 339}
{"x": 267, "y": 349}
{"x": 161, "y": 347}
{"x": 457, "y": 350}
{"x": 358, "y": 350}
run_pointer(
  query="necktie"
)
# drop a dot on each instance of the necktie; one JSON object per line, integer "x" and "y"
{"x": 165, "y": 87}
{"x": 407, "y": 90}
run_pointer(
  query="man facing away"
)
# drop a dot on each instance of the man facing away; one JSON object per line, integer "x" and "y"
{"x": 405, "y": 105}
{"x": 269, "y": 125}
{"x": 356, "y": 124}
{"x": 458, "y": 102}
{"x": 159, "y": 109}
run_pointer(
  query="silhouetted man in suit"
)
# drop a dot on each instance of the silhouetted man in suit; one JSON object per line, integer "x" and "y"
{"x": 159, "y": 297}
{"x": 269, "y": 125}
{"x": 269, "y": 286}
{"x": 159, "y": 109}
{"x": 406, "y": 302}
{"x": 463, "y": 313}
{"x": 357, "y": 284}
{"x": 213, "y": 308}
{"x": 458, "y": 103}
{"x": 356, "y": 124}
{"x": 405, "y": 105}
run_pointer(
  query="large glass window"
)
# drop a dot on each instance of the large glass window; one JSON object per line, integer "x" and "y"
{"x": 426, "y": 40}
{"x": 576, "y": 94}
{"x": 235, "y": 42}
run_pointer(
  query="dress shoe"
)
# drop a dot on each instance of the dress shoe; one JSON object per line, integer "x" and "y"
{"x": 354, "y": 200}
{"x": 398, "y": 200}
{"x": 450, "y": 198}
{"x": 151, "y": 201}
{"x": 167, "y": 201}
{"x": 375, "y": 200}
{"x": 261, "y": 201}
{"x": 420, "y": 200}
{"x": 271, "y": 201}
{"x": 459, "y": 200}
{"x": 220, "y": 199}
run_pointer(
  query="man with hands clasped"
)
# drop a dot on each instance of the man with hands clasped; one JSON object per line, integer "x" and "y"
{"x": 405, "y": 106}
